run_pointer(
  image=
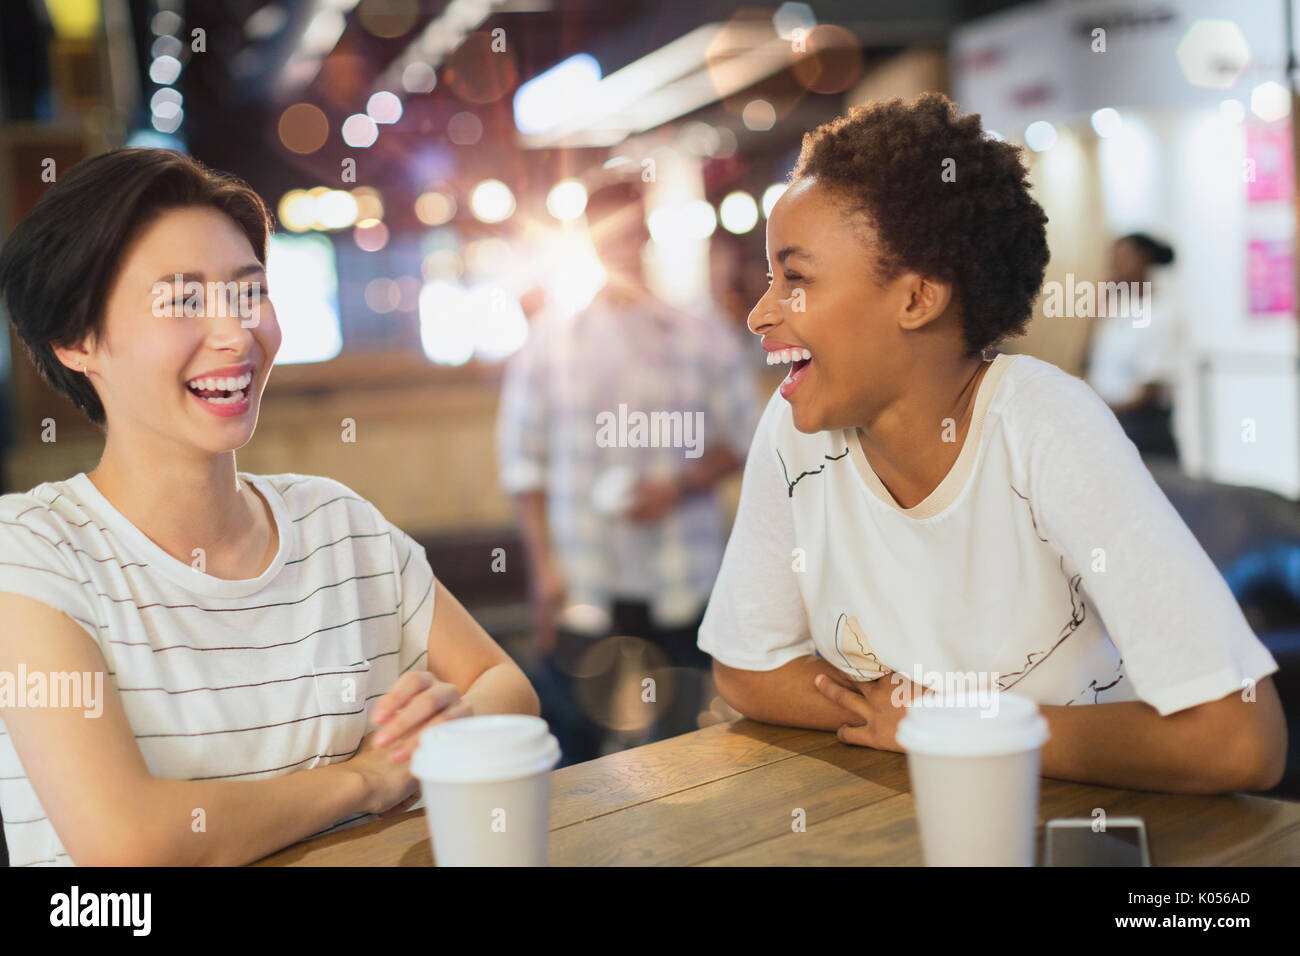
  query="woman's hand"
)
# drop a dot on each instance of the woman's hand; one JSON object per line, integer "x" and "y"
{"x": 389, "y": 786}
{"x": 416, "y": 701}
{"x": 879, "y": 705}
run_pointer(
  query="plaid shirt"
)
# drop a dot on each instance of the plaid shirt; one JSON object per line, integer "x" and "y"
{"x": 649, "y": 358}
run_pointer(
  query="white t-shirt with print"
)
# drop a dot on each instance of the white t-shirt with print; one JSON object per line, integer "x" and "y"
{"x": 1047, "y": 556}
{"x": 221, "y": 679}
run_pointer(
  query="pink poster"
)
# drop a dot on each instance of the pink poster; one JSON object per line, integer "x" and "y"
{"x": 1270, "y": 276}
{"x": 1268, "y": 161}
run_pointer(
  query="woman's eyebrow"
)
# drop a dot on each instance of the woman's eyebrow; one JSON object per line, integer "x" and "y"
{"x": 794, "y": 252}
{"x": 252, "y": 268}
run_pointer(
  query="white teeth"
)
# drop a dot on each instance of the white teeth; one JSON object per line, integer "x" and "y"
{"x": 222, "y": 384}
{"x": 786, "y": 356}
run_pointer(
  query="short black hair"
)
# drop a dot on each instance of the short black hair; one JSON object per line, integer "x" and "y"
{"x": 1159, "y": 253}
{"x": 58, "y": 266}
{"x": 977, "y": 228}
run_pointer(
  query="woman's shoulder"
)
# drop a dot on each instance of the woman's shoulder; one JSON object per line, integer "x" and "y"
{"x": 310, "y": 498}
{"x": 1055, "y": 420}
{"x": 52, "y": 506}
{"x": 1039, "y": 395}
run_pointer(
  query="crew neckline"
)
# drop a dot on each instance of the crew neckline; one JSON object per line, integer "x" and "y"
{"x": 954, "y": 481}
{"x": 177, "y": 571}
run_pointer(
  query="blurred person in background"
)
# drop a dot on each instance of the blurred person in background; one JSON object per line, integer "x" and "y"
{"x": 1130, "y": 365}
{"x": 622, "y": 540}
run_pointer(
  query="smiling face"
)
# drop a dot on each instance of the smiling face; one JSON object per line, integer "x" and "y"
{"x": 825, "y": 297}
{"x": 150, "y": 350}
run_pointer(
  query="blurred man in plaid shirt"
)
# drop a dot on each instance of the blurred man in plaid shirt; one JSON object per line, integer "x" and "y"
{"x": 616, "y": 424}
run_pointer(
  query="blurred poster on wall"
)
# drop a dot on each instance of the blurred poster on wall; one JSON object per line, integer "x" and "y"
{"x": 1270, "y": 276}
{"x": 1268, "y": 161}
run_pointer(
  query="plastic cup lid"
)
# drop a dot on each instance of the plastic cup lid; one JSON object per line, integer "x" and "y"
{"x": 484, "y": 749}
{"x": 999, "y": 723}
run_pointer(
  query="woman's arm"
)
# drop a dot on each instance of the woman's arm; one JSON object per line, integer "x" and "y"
{"x": 99, "y": 795}
{"x": 1215, "y": 747}
{"x": 463, "y": 654}
{"x": 786, "y": 695}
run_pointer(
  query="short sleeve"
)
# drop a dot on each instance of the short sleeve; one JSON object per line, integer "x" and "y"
{"x": 36, "y": 563}
{"x": 522, "y": 418}
{"x": 756, "y": 618}
{"x": 1182, "y": 636}
{"x": 416, "y": 591}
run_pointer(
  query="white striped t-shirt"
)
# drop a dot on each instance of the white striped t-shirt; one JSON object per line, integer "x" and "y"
{"x": 221, "y": 679}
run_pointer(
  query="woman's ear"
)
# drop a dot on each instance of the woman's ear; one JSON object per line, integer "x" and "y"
{"x": 74, "y": 357}
{"x": 927, "y": 299}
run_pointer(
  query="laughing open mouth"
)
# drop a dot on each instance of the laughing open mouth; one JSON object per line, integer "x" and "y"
{"x": 221, "y": 391}
{"x": 797, "y": 358}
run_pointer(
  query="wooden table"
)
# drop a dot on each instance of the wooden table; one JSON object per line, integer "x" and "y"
{"x": 727, "y": 795}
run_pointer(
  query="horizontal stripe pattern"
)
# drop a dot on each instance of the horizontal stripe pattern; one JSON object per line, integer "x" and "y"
{"x": 219, "y": 686}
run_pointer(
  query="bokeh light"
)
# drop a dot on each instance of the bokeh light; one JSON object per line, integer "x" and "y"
{"x": 770, "y": 195}
{"x": 682, "y": 221}
{"x": 759, "y": 115}
{"x": 464, "y": 129}
{"x": 370, "y": 204}
{"x": 1040, "y": 136}
{"x": 382, "y": 295}
{"x": 1270, "y": 101}
{"x": 832, "y": 61}
{"x": 164, "y": 70}
{"x": 359, "y": 131}
{"x": 446, "y": 326}
{"x": 388, "y": 18}
{"x": 370, "y": 235}
{"x": 419, "y": 77}
{"x": 303, "y": 128}
{"x": 492, "y": 201}
{"x": 297, "y": 210}
{"x": 566, "y": 200}
{"x": 1107, "y": 122}
{"x": 738, "y": 212}
{"x": 435, "y": 208}
{"x": 384, "y": 107}
{"x": 336, "y": 209}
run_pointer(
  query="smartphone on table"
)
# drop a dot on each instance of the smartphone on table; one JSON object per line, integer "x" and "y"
{"x": 1074, "y": 842}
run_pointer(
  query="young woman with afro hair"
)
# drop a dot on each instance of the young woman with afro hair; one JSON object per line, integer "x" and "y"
{"x": 918, "y": 508}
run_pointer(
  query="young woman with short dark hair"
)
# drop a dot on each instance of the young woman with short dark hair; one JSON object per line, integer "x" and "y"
{"x": 915, "y": 507}
{"x": 249, "y": 630}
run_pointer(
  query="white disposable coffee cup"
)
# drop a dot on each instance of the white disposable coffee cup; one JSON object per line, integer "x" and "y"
{"x": 486, "y": 783}
{"x": 974, "y": 771}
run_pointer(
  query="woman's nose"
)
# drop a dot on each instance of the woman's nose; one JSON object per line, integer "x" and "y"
{"x": 762, "y": 316}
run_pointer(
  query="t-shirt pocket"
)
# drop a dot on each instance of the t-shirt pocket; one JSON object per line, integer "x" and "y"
{"x": 342, "y": 701}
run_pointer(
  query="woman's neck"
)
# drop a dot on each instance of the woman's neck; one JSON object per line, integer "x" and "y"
{"x": 913, "y": 443}
{"x": 184, "y": 502}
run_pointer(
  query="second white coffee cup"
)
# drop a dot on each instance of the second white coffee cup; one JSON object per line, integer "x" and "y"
{"x": 487, "y": 789}
{"x": 974, "y": 771}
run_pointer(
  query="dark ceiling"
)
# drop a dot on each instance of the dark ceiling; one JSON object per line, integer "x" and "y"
{"x": 231, "y": 113}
